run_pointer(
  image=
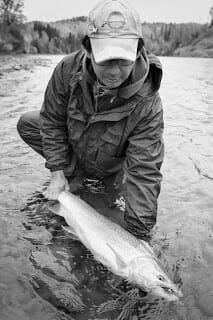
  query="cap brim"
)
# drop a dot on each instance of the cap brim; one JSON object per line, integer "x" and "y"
{"x": 114, "y": 48}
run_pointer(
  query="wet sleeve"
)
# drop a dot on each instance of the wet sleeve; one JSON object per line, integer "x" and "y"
{"x": 54, "y": 130}
{"x": 142, "y": 170}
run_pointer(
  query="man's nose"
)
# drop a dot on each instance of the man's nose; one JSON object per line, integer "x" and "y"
{"x": 113, "y": 67}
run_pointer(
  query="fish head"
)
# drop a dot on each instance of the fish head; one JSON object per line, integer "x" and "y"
{"x": 150, "y": 277}
{"x": 167, "y": 290}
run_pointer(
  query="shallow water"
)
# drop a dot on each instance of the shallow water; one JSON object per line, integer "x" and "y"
{"x": 46, "y": 275}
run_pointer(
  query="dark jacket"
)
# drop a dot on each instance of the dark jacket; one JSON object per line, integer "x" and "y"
{"x": 103, "y": 132}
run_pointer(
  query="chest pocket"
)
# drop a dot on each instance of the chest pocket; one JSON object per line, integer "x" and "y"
{"x": 110, "y": 155}
{"x": 112, "y": 139}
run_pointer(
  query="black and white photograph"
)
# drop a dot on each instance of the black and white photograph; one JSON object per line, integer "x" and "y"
{"x": 106, "y": 161}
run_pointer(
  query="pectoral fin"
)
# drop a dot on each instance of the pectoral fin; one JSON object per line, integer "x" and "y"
{"x": 121, "y": 264}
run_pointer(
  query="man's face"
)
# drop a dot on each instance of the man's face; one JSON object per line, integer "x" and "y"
{"x": 112, "y": 73}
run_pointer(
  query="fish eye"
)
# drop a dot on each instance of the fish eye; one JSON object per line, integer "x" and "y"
{"x": 161, "y": 278}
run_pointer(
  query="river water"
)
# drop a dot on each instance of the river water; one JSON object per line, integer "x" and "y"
{"x": 46, "y": 275}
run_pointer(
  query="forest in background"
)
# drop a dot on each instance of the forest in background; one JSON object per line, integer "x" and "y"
{"x": 63, "y": 37}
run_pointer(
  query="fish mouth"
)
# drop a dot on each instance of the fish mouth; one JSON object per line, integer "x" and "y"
{"x": 168, "y": 293}
{"x": 176, "y": 293}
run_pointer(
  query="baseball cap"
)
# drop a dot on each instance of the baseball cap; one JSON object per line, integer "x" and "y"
{"x": 114, "y": 28}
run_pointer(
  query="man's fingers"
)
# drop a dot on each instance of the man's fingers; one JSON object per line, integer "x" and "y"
{"x": 49, "y": 194}
{"x": 52, "y": 192}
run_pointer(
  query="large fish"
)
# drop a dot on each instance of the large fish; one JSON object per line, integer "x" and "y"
{"x": 116, "y": 248}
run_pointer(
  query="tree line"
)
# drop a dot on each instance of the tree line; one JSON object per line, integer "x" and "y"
{"x": 18, "y": 36}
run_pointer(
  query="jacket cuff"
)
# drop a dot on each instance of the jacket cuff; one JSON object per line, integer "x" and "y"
{"x": 139, "y": 234}
{"x": 139, "y": 229}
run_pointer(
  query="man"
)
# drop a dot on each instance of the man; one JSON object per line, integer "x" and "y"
{"x": 102, "y": 115}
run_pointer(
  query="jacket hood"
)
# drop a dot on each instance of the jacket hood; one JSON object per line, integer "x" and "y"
{"x": 144, "y": 80}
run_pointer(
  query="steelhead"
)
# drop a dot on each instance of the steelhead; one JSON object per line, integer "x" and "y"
{"x": 116, "y": 248}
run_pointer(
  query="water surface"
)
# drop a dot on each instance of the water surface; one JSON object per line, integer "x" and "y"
{"x": 46, "y": 275}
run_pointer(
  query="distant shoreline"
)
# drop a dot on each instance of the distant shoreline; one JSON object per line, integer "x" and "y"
{"x": 64, "y": 37}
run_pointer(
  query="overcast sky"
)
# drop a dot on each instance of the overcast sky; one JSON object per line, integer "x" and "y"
{"x": 150, "y": 10}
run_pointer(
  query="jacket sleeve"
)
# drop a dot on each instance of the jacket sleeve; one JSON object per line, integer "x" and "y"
{"x": 144, "y": 157}
{"x": 54, "y": 122}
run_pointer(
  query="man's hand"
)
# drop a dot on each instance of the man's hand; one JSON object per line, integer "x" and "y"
{"x": 57, "y": 184}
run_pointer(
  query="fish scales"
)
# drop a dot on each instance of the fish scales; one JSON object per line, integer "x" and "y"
{"x": 90, "y": 226}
